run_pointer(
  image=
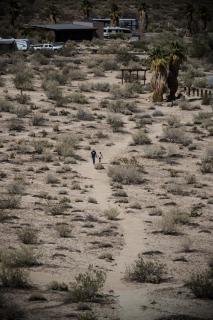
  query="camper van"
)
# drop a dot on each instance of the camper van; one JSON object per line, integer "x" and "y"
{"x": 111, "y": 31}
{"x": 22, "y": 44}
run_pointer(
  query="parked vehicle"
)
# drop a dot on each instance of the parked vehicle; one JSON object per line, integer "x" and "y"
{"x": 22, "y": 44}
{"x": 111, "y": 31}
{"x": 47, "y": 46}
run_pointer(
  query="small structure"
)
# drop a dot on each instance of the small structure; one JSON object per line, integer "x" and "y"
{"x": 199, "y": 92}
{"x": 131, "y": 23}
{"x": 68, "y": 31}
{"x": 133, "y": 75}
{"x": 7, "y": 45}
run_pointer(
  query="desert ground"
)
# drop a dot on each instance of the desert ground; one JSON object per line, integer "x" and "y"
{"x": 150, "y": 195}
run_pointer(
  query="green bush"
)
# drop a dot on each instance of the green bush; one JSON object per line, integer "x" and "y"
{"x": 87, "y": 285}
{"x": 28, "y": 235}
{"x": 10, "y": 201}
{"x": 66, "y": 145}
{"x": 12, "y": 277}
{"x": 142, "y": 271}
{"x": 78, "y": 98}
{"x": 112, "y": 213}
{"x": 201, "y": 285}
{"x": 141, "y": 138}
{"x": 116, "y": 122}
{"x": 125, "y": 174}
{"x": 18, "y": 258}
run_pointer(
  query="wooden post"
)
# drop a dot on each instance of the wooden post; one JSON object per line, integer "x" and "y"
{"x": 122, "y": 76}
{"x": 144, "y": 79}
{"x": 137, "y": 76}
{"x": 193, "y": 91}
{"x": 210, "y": 93}
{"x": 206, "y": 93}
{"x": 198, "y": 92}
{"x": 130, "y": 76}
{"x": 189, "y": 91}
{"x": 201, "y": 93}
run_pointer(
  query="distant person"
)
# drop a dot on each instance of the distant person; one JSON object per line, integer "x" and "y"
{"x": 100, "y": 157}
{"x": 93, "y": 155}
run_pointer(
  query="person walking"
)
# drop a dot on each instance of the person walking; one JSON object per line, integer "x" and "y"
{"x": 100, "y": 157}
{"x": 93, "y": 155}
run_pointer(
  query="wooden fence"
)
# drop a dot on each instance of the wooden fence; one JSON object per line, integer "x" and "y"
{"x": 133, "y": 75}
{"x": 199, "y": 92}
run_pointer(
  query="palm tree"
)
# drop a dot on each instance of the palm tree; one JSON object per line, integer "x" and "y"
{"x": 143, "y": 18}
{"x": 204, "y": 16}
{"x": 190, "y": 17}
{"x": 86, "y": 7}
{"x": 114, "y": 15}
{"x": 158, "y": 59}
{"x": 177, "y": 55}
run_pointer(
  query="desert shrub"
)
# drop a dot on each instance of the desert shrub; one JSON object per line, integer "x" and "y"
{"x": 124, "y": 92}
{"x": 23, "y": 80}
{"x": 206, "y": 101}
{"x": 176, "y": 135}
{"x": 39, "y": 58}
{"x": 52, "y": 179}
{"x": 87, "y": 316}
{"x": 125, "y": 174}
{"x": 170, "y": 221}
{"x": 154, "y": 152}
{"x": 201, "y": 284}
{"x": 28, "y": 235}
{"x": 16, "y": 187}
{"x": 120, "y": 106}
{"x": 145, "y": 271}
{"x": 98, "y": 71}
{"x": 173, "y": 121}
{"x": 23, "y": 98}
{"x": 140, "y": 138}
{"x": 58, "y": 286}
{"x": 168, "y": 225}
{"x": 18, "y": 258}
{"x": 15, "y": 124}
{"x": 40, "y": 146}
{"x": 63, "y": 230}
{"x": 201, "y": 117}
{"x": 6, "y": 106}
{"x": 207, "y": 162}
{"x": 38, "y": 120}
{"x": 13, "y": 277}
{"x": 101, "y": 86}
{"x": 52, "y": 89}
{"x": 22, "y": 111}
{"x": 190, "y": 178}
{"x": 1, "y": 82}
{"x": 112, "y": 213}
{"x": 57, "y": 208}
{"x": 78, "y": 98}
{"x": 87, "y": 285}
{"x": 116, "y": 122}
{"x": 4, "y": 216}
{"x": 76, "y": 75}
{"x": 10, "y": 201}
{"x": 56, "y": 76}
{"x": 66, "y": 145}
{"x": 99, "y": 166}
{"x": 84, "y": 115}
{"x": 109, "y": 64}
{"x": 85, "y": 87}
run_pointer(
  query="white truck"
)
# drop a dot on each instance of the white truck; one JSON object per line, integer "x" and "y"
{"x": 47, "y": 46}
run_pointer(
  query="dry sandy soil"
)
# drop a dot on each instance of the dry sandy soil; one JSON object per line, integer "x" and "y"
{"x": 173, "y": 181}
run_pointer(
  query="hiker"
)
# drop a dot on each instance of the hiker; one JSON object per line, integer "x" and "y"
{"x": 100, "y": 157}
{"x": 93, "y": 155}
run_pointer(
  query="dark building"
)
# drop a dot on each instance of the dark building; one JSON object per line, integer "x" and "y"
{"x": 68, "y": 31}
{"x": 7, "y": 45}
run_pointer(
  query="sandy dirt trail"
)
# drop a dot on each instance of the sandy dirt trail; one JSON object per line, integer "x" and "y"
{"x": 130, "y": 296}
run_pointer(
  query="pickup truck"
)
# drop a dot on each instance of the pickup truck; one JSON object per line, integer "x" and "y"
{"x": 47, "y": 46}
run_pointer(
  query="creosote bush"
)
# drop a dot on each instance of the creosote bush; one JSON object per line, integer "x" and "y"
{"x": 207, "y": 162}
{"x": 87, "y": 285}
{"x": 28, "y": 235}
{"x": 140, "y": 138}
{"x": 112, "y": 213}
{"x": 116, "y": 122}
{"x": 19, "y": 257}
{"x": 10, "y": 201}
{"x": 201, "y": 284}
{"x": 13, "y": 277}
{"x": 66, "y": 145}
{"x": 176, "y": 135}
{"x": 145, "y": 271}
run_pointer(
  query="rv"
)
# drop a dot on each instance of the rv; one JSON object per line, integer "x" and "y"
{"x": 111, "y": 31}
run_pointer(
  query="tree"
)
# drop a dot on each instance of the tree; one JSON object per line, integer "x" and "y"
{"x": 204, "y": 17}
{"x": 158, "y": 59}
{"x": 86, "y": 7}
{"x": 176, "y": 57}
{"x": 190, "y": 17}
{"x": 14, "y": 11}
{"x": 143, "y": 18}
{"x": 114, "y": 15}
{"x": 53, "y": 12}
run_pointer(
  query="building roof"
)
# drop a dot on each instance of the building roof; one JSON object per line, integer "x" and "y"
{"x": 63, "y": 26}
